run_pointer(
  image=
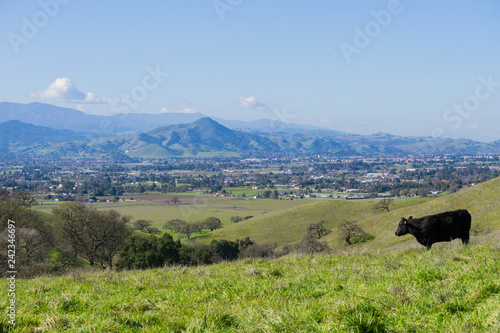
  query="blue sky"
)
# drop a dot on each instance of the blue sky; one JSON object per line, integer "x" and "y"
{"x": 406, "y": 67}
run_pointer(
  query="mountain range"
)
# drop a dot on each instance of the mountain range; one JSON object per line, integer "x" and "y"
{"x": 203, "y": 137}
{"x": 45, "y": 130}
{"x": 48, "y": 115}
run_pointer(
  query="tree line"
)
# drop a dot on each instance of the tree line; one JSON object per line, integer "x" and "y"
{"x": 77, "y": 235}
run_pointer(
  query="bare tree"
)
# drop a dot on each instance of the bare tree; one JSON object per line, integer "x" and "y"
{"x": 318, "y": 229}
{"x": 69, "y": 221}
{"x": 383, "y": 205}
{"x": 30, "y": 245}
{"x": 91, "y": 230}
{"x": 4, "y": 195}
{"x": 21, "y": 198}
{"x": 114, "y": 233}
{"x": 352, "y": 233}
{"x": 310, "y": 242}
{"x": 176, "y": 200}
{"x": 91, "y": 234}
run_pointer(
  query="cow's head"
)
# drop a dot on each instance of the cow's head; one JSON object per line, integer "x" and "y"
{"x": 403, "y": 227}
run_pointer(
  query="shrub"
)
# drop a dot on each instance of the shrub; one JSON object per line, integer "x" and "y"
{"x": 196, "y": 254}
{"x": 227, "y": 250}
{"x": 262, "y": 250}
{"x": 149, "y": 252}
{"x": 310, "y": 242}
{"x": 352, "y": 233}
{"x": 236, "y": 219}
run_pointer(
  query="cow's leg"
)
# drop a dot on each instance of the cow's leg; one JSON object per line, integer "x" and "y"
{"x": 465, "y": 240}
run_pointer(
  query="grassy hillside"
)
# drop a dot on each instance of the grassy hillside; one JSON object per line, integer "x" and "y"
{"x": 456, "y": 289}
{"x": 390, "y": 284}
{"x": 289, "y": 226}
{"x": 482, "y": 202}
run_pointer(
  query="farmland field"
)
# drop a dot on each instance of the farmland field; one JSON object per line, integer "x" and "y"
{"x": 192, "y": 208}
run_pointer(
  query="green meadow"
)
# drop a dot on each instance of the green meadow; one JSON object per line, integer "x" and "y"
{"x": 450, "y": 289}
{"x": 388, "y": 284}
{"x": 193, "y": 209}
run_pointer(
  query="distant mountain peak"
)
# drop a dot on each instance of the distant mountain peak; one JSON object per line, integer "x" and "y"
{"x": 16, "y": 122}
{"x": 205, "y": 121}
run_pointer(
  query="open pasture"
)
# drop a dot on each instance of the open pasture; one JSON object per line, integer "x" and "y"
{"x": 452, "y": 289}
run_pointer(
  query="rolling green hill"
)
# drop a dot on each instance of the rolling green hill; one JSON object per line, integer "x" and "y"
{"x": 455, "y": 289}
{"x": 482, "y": 202}
{"x": 389, "y": 284}
{"x": 289, "y": 226}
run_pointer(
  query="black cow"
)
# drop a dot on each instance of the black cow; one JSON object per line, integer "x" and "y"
{"x": 442, "y": 227}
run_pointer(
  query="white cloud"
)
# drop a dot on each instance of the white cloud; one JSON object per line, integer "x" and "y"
{"x": 185, "y": 110}
{"x": 251, "y": 103}
{"x": 81, "y": 107}
{"x": 64, "y": 90}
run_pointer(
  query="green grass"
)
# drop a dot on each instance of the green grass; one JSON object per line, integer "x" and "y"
{"x": 389, "y": 284}
{"x": 200, "y": 209}
{"x": 289, "y": 226}
{"x": 452, "y": 289}
{"x": 195, "y": 209}
{"x": 285, "y": 221}
{"x": 482, "y": 202}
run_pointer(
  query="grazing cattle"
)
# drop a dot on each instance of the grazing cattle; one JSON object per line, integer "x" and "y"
{"x": 442, "y": 227}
